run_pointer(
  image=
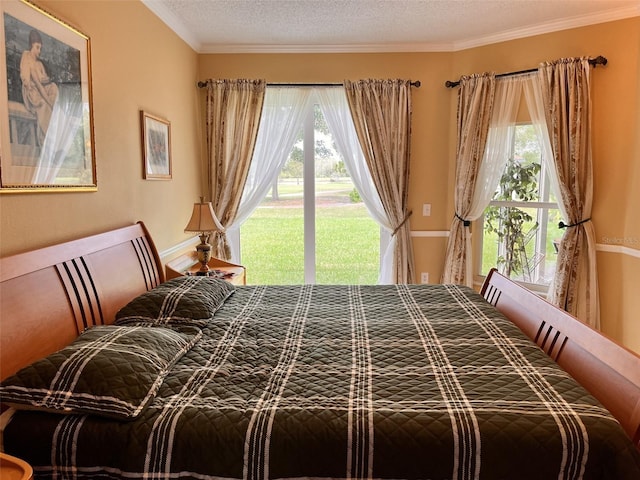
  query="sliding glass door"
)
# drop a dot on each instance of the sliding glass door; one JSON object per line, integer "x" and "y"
{"x": 312, "y": 227}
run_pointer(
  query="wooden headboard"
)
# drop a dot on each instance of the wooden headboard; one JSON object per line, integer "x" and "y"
{"x": 49, "y": 296}
{"x": 610, "y": 372}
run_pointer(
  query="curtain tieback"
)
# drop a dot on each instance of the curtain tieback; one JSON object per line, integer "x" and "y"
{"x": 404, "y": 220}
{"x": 466, "y": 223}
{"x": 564, "y": 225}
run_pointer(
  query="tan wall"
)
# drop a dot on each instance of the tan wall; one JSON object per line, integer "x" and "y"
{"x": 616, "y": 150}
{"x": 430, "y": 148}
{"x": 615, "y": 139}
{"x": 137, "y": 64}
{"x": 615, "y": 117}
{"x": 627, "y": 277}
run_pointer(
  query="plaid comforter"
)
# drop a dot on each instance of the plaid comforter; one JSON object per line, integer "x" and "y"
{"x": 398, "y": 381}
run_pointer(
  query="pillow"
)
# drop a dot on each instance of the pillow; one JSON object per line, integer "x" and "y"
{"x": 187, "y": 300}
{"x": 108, "y": 370}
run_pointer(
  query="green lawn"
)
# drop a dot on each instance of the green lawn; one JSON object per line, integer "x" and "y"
{"x": 347, "y": 239}
{"x": 347, "y": 245}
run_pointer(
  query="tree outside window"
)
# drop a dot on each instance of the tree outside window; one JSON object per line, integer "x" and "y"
{"x": 520, "y": 224}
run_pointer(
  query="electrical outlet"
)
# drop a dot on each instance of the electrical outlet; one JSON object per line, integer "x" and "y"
{"x": 424, "y": 277}
{"x": 426, "y": 210}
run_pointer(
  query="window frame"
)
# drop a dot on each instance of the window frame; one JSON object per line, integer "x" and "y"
{"x": 542, "y": 207}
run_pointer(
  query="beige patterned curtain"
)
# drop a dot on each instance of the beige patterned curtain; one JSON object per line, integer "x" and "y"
{"x": 233, "y": 109}
{"x": 381, "y": 111}
{"x": 475, "y": 103}
{"x": 566, "y": 94}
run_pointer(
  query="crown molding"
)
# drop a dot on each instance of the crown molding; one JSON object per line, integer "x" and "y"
{"x": 347, "y": 48}
{"x": 178, "y": 27}
{"x": 550, "y": 27}
{"x": 174, "y": 23}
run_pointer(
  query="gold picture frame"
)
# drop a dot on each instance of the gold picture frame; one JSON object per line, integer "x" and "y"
{"x": 46, "y": 124}
{"x": 156, "y": 147}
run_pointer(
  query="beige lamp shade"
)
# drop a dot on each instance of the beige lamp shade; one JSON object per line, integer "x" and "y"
{"x": 203, "y": 219}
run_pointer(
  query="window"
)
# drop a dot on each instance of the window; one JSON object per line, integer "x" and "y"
{"x": 312, "y": 226}
{"x": 520, "y": 225}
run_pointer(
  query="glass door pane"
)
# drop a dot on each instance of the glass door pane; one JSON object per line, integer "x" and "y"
{"x": 347, "y": 238}
{"x": 272, "y": 246}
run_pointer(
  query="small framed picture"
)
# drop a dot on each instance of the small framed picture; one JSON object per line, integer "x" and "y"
{"x": 156, "y": 147}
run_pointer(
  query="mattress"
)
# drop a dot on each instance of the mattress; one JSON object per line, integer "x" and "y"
{"x": 322, "y": 381}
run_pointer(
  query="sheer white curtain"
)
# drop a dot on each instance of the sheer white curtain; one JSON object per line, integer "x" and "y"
{"x": 535, "y": 104}
{"x": 335, "y": 108}
{"x": 499, "y": 141}
{"x": 496, "y": 154}
{"x": 281, "y": 118}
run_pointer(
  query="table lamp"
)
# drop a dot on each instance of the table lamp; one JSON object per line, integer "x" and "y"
{"x": 204, "y": 221}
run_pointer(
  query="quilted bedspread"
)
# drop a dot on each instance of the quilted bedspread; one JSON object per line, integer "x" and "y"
{"x": 388, "y": 382}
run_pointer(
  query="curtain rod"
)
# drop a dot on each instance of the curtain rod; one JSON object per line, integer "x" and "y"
{"x": 599, "y": 60}
{"x": 204, "y": 84}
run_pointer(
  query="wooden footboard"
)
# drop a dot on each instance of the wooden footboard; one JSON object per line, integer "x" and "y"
{"x": 48, "y": 296}
{"x": 610, "y": 372}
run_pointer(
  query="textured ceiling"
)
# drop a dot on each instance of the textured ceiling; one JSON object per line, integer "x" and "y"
{"x": 211, "y": 26}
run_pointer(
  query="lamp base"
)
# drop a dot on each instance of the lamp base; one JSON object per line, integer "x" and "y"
{"x": 204, "y": 255}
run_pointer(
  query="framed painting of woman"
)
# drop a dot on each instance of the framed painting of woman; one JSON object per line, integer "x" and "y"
{"x": 46, "y": 124}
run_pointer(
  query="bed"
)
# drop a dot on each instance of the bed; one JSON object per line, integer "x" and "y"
{"x": 115, "y": 373}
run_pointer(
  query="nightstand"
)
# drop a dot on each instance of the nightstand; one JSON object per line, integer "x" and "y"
{"x": 188, "y": 264}
{"x": 12, "y": 468}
